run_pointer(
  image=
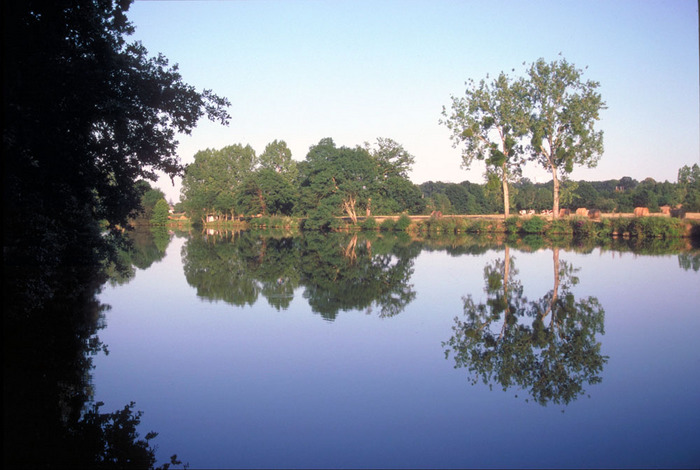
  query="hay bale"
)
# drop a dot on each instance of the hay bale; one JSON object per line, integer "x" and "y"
{"x": 594, "y": 214}
{"x": 564, "y": 212}
{"x": 582, "y": 211}
{"x": 641, "y": 211}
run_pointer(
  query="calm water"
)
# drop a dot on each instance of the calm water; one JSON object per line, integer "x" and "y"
{"x": 343, "y": 352}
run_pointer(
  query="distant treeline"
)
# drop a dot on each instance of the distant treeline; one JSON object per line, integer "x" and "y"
{"x": 613, "y": 195}
{"x": 233, "y": 183}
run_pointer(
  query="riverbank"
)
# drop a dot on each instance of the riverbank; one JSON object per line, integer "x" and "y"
{"x": 603, "y": 225}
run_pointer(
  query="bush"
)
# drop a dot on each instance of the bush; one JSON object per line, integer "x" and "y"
{"x": 656, "y": 227}
{"x": 319, "y": 219}
{"x": 160, "y": 213}
{"x": 402, "y": 223}
{"x": 534, "y": 224}
{"x": 370, "y": 223}
{"x": 387, "y": 225}
{"x": 512, "y": 224}
{"x": 585, "y": 228}
{"x": 560, "y": 227}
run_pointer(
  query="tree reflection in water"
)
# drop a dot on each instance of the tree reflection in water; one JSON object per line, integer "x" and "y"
{"x": 548, "y": 346}
{"x": 50, "y": 419}
{"x": 338, "y": 272}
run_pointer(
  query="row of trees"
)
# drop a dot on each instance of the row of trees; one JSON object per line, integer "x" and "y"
{"x": 367, "y": 180}
{"x": 547, "y": 117}
{"x": 330, "y": 181}
{"x": 615, "y": 195}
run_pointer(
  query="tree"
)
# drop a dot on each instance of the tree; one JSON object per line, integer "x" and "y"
{"x": 564, "y": 110}
{"x": 211, "y": 181}
{"x": 396, "y": 192}
{"x": 392, "y": 159}
{"x": 342, "y": 179}
{"x": 266, "y": 192}
{"x": 278, "y": 157}
{"x": 149, "y": 198}
{"x": 491, "y": 120}
{"x": 689, "y": 187}
{"x": 160, "y": 213}
{"x": 86, "y": 116}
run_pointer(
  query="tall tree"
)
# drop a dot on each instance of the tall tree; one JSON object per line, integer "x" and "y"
{"x": 490, "y": 120}
{"x": 564, "y": 110}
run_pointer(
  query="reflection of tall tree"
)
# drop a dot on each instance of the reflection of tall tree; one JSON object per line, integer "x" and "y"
{"x": 547, "y": 346}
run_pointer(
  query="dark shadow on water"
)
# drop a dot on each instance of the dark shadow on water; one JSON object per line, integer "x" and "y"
{"x": 51, "y": 317}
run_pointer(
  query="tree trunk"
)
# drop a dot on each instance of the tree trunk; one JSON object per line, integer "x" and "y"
{"x": 555, "y": 193}
{"x": 506, "y": 196}
{"x": 506, "y": 275}
{"x": 350, "y": 209}
{"x": 261, "y": 199}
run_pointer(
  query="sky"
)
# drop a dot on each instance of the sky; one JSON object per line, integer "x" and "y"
{"x": 304, "y": 70}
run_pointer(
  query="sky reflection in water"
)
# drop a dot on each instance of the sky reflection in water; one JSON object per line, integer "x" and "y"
{"x": 259, "y": 385}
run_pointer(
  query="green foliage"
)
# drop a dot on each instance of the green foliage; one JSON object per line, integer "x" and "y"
{"x": 150, "y": 196}
{"x": 402, "y": 223}
{"x": 564, "y": 110}
{"x": 342, "y": 178}
{"x": 278, "y": 158}
{"x": 533, "y": 224}
{"x": 370, "y": 223}
{"x": 512, "y": 224}
{"x": 211, "y": 181}
{"x": 655, "y": 227}
{"x": 320, "y": 219}
{"x": 387, "y": 225}
{"x": 392, "y": 159}
{"x": 689, "y": 187}
{"x": 266, "y": 192}
{"x": 160, "y": 213}
{"x": 585, "y": 228}
{"x": 487, "y": 107}
{"x": 560, "y": 227}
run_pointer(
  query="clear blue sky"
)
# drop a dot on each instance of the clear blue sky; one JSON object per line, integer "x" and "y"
{"x": 302, "y": 70}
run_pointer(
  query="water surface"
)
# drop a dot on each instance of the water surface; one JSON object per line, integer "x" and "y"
{"x": 351, "y": 352}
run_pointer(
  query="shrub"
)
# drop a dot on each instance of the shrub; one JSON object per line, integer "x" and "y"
{"x": 534, "y": 224}
{"x": 512, "y": 224}
{"x": 585, "y": 228}
{"x": 370, "y": 223}
{"x": 560, "y": 227}
{"x": 160, "y": 213}
{"x": 656, "y": 227}
{"x": 449, "y": 224}
{"x": 319, "y": 219}
{"x": 402, "y": 223}
{"x": 387, "y": 225}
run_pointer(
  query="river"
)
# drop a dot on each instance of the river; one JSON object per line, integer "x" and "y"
{"x": 357, "y": 352}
